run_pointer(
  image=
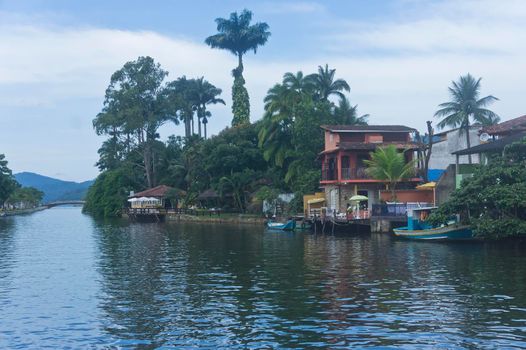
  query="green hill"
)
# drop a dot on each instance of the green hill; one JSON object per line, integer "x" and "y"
{"x": 54, "y": 189}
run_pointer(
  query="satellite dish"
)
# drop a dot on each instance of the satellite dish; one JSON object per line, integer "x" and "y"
{"x": 484, "y": 137}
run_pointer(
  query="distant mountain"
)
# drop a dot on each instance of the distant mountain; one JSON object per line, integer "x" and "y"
{"x": 54, "y": 189}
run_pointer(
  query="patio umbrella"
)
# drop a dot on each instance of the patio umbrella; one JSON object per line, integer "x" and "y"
{"x": 358, "y": 198}
{"x": 429, "y": 186}
{"x": 315, "y": 200}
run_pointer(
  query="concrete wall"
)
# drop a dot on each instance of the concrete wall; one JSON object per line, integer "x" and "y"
{"x": 337, "y": 197}
{"x": 445, "y": 185}
{"x": 453, "y": 141}
{"x": 422, "y": 196}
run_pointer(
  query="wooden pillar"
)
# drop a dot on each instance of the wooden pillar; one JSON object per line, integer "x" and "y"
{"x": 339, "y": 165}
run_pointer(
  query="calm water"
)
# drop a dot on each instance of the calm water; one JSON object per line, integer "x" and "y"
{"x": 68, "y": 281}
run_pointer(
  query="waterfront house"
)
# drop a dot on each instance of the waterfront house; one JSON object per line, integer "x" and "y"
{"x": 343, "y": 169}
{"x": 156, "y": 197}
{"x": 494, "y": 138}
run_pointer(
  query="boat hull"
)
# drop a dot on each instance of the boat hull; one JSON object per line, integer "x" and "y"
{"x": 287, "y": 226}
{"x": 446, "y": 233}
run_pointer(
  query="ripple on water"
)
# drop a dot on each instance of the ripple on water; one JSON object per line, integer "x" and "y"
{"x": 69, "y": 281}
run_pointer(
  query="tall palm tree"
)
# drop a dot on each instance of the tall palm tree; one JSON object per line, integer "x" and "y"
{"x": 297, "y": 82}
{"x": 275, "y": 133}
{"x": 183, "y": 90}
{"x": 347, "y": 114}
{"x": 389, "y": 165}
{"x": 465, "y": 105}
{"x": 325, "y": 84}
{"x": 206, "y": 115}
{"x": 238, "y": 36}
{"x": 205, "y": 94}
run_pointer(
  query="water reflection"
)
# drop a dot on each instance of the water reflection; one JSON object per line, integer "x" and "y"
{"x": 69, "y": 280}
{"x": 192, "y": 285}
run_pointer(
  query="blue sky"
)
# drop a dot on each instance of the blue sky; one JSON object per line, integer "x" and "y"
{"x": 399, "y": 56}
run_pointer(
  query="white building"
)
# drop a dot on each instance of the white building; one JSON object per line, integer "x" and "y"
{"x": 447, "y": 142}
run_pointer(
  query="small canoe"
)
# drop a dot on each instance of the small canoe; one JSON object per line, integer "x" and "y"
{"x": 445, "y": 233}
{"x": 283, "y": 226}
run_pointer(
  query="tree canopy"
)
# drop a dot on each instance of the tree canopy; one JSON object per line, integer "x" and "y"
{"x": 279, "y": 152}
{"x": 465, "y": 106}
{"x": 493, "y": 200}
{"x": 7, "y": 181}
{"x": 389, "y": 165}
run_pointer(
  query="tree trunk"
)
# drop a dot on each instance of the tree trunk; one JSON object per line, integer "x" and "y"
{"x": 186, "y": 127}
{"x": 430, "y": 133}
{"x": 468, "y": 142}
{"x": 192, "y": 120}
{"x": 240, "y": 63}
{"x": 204, "y": 125}
{"x": 393, "y": 191}
{"x": 199, "y": 114}
{"x": 147, "y": 158}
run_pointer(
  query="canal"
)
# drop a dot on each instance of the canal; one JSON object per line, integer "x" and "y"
{"x": 69, "y": 281}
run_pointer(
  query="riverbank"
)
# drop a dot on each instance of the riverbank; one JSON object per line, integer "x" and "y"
{"x": 220, "y": 219}
{"x": 21, "y": 211}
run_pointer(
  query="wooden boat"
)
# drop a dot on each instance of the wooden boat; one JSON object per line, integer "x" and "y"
{"x": 283, "y": 226}
{"x": 419, "y": 229}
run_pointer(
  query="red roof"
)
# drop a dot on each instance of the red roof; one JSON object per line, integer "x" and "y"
{"x": 514, "y": 125}
{"x": 159, "y": 192}
{"x": 370, "y": 146}
{"x": 367, "y": 128}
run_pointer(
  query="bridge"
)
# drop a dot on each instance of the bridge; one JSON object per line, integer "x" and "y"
{"x": 57, "y": 203}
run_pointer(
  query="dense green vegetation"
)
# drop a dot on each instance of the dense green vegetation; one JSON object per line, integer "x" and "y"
{"x": 466, "y": 105}
{"x": 25, "y": 197}
{"x": 243, "y": 163}
{"x": 7, "y": 182}
{"x": 493, "y": 201}
{"x": 12, "y": 195}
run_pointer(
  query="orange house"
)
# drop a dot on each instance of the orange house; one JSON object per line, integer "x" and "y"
{"x": 343, "y": 168}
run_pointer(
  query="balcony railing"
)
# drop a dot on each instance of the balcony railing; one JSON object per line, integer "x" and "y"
{"x": 354, "y": 173}
{"x": 347, "y": 174}
{"x": 329, "y": 174}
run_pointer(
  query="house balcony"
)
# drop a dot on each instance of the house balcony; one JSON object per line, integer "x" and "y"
{"x": 330, "y": 175}
{"x": 355, "y": 174}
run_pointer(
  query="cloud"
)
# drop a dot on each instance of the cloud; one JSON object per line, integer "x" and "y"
{"x": 52, "y": 79}
{"x": 482, "y": 27}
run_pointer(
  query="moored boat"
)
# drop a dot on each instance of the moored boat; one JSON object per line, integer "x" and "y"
{"x": 283, "y": 226}
{"x": 419, "y": 229}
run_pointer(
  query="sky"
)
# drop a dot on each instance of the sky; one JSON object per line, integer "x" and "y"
{"x": 398, "y": 56}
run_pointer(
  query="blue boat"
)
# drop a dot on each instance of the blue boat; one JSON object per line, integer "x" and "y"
{"x": 283, "y": 226}
{"x": 419, "y": 229}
